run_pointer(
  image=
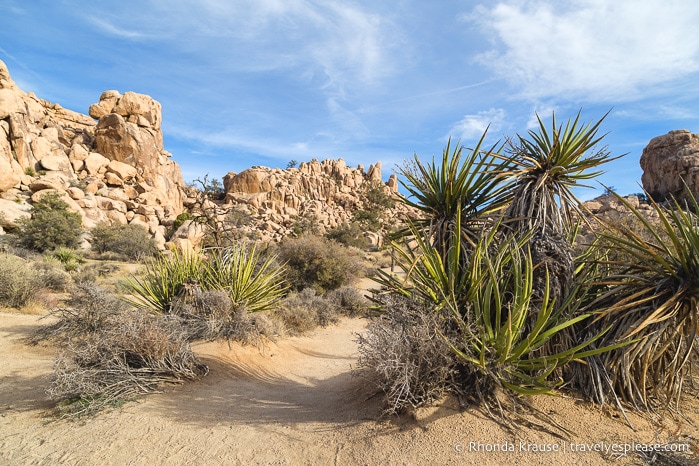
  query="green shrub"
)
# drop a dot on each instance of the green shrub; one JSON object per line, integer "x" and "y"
{"x": 179, "y": 221}
{"x": 19, "y": 281}
{"x": 349, "y": 234}
{"x": 51, "y": 225}
{"x": 319, "y": 263}
{"x": 70, "y": 259}
{"x": 128, "y": 241}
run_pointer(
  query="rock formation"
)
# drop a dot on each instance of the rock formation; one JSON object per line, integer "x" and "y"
{"x": 669, "y": 162}
{"x": 325, "y": 193}
{"x": 111, "y": 170}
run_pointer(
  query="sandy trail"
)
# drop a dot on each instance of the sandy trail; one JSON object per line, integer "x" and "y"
{"x": 291, "y": 402}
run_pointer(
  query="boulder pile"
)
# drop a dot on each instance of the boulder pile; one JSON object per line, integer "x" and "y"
{"x": 109, "y": 167}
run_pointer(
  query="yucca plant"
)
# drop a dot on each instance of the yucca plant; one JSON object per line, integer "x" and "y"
{"x": 652, "y": 302}
{"x": 546, "y": 166}
{"x": 164, "y": 276}
{"x": 253, "y": 282}
{"x": 466, "y": 187}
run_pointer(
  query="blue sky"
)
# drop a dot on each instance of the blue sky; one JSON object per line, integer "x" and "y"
{"x": 262, "y": 82}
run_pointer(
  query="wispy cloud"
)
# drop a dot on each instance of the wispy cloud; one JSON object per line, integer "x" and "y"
{"x": 113, "y": 30}
{"x": 594, "y": 49}
{"x": 474, "y": 125}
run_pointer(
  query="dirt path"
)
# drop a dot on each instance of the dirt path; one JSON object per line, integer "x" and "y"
{"x": 293, "y": 402}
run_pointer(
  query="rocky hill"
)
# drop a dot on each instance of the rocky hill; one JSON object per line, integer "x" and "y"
{"x": 109, "y": 167}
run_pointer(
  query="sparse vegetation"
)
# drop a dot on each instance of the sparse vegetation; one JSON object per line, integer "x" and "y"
{"x": 126, "y": 241}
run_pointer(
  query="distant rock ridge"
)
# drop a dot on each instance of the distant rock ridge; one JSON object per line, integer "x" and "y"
{"x": 112, "y": 170}
{"x": 669, "y": 162}
{"x": 326, "y": 192}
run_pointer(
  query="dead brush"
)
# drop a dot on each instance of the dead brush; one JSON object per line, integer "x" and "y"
{"x": 405, "y": 357}
{"x": 211, "y": 315}
{"x": 90, "y": 309}
{"x": 135, "y": 354}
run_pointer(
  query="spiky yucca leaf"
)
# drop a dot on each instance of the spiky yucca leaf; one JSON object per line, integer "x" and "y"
{"x": 164, "y": 276}
{"x": 652, "y": 299}
{"x": 546, "y": 166}
{"x": 252, "y": 281}
{"x": 466, "y": 187}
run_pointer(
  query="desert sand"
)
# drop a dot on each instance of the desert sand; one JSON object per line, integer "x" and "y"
{"x": 294, "y": 401}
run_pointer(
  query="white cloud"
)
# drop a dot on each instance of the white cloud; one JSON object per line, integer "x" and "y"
{"x": 596, "y": 49}
{"x": 473, "y": 126}
{"x": 117, "y": 31}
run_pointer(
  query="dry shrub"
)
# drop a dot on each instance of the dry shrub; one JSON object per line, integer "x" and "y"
{"x": 113, "y": 353}
{"x": 19, "y": 281}
{"x": 305, "y": 311}
{"x": 211, "y": 315}
{"x": 90, "y": 309}
{"x": 136, "y": 354}
{"x": 404, "y": 354}
{"x": 349, "y": 301}
{"x": 319, "y": 263}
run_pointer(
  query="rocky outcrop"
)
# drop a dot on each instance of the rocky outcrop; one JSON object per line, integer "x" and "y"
{"x": 669, "y": 162}
{"x": 325, "y": 192}
{"x": 111, "y": 170}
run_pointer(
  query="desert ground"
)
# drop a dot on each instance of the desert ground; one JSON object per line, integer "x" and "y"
{"x": 295, "y": 401}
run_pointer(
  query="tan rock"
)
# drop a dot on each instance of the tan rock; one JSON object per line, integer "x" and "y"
{"x": 78, "y": 152}
{"x": 123, "y": 170}
{"x": 11, "y": 103}
{"x": 669, "y": 161}
{"x": 57, "y": 162}
{"x": 140, "y": 105}
{"x": 13, "y": 211}
{"x": 112, "y": 179}
{"x": 75, "y": 193}
{"x": 95, "y": 162}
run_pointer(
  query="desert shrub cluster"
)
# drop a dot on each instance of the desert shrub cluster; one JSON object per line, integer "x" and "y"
{"x": 129, "y": 242}
{"x": 498, "y": 299}
{"x": 319, "y": 263}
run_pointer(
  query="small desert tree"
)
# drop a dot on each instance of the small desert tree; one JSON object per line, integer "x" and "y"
{"x": 51, "y": 225}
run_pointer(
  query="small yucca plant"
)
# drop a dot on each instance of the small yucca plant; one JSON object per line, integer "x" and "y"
{"x": 253, "y": 282}
{"x": 164, "y": 276}
{"x": 464, "y": 187}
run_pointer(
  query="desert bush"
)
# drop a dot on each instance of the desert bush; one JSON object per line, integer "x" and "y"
{"x": 19, "y": 281}
{"x": 127, "y": 241}
{"x": 52, "y": 274}
{"x": 210, "y": 315}
{"x": 136, "y": 354}
{"x": 91, "y": 308}
{"x": 319, "y": 263}
{"x": 406, "y": 355}
{"x": 51, "y": 225}
{"x": 304, "y": 311}
{"x": 349, "y": 234}
{"x": 349, "y": 301}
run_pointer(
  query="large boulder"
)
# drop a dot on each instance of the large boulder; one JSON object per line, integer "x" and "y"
{"x": 669, "y": 162}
